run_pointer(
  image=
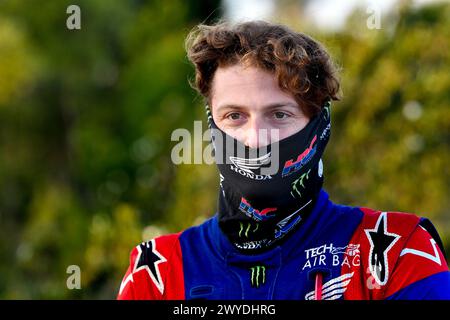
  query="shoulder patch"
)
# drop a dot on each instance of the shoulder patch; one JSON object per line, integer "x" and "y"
{"x": 381, "y": 236}
{"x": 381, "y": 242}
{"x": 155, "y": 270}
{"x": 420, "y": 258}
{"x": 148, "y": 258}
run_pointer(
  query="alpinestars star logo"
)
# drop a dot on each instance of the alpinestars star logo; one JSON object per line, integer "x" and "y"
{"x": 381, "y": 241}
{"x": 148, "y": 258}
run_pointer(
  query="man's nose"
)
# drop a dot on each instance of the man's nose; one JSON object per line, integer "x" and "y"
{"x": 257, "y": 134}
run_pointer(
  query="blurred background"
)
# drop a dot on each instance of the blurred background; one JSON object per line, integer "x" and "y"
{"x": 86, "y": 118}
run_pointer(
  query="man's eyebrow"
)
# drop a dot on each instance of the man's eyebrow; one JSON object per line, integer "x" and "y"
{"x": 280, "y": 105}
{"x": 266, "y": 107}
{"x": 231, "y": 107}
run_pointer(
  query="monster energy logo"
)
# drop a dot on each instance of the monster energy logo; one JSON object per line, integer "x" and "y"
{"x": 257, "y": 276}
{"x": 247, "y": 229}
{"x": 299, "y": 182}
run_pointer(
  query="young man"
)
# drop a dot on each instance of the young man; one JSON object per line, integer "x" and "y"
{"x": 276, "y": 235}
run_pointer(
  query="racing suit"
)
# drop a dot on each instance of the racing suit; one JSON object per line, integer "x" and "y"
{"x": 338, "y": 252}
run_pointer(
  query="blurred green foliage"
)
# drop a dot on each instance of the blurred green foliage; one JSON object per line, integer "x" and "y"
{"x": 390, "y": 147}
{"x": 86, "y": 118}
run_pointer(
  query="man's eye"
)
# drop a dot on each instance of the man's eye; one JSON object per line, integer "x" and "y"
{"x": 234, "y": 116}
{"x": 280, "y": 115}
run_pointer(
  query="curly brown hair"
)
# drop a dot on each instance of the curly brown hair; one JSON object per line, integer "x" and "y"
{"x": 301, "y": 64}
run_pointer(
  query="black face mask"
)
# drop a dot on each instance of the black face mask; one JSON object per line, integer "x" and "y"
{"x": 265, "y": 192}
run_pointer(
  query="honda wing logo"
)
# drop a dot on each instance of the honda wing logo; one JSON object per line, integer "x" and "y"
{"x": 248, "y": 165}
{"x": 245, "y": 166}
{"x": 333, "y": 289}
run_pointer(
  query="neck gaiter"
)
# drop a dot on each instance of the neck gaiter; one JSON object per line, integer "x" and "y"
{"x": 266, "y": 192}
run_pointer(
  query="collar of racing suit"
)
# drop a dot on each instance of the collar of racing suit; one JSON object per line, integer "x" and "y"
{"x": 302, "y": 237}
{"x": 296, "y": 242}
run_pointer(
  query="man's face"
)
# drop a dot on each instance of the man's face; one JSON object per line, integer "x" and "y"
{"x": 247, "y": 104}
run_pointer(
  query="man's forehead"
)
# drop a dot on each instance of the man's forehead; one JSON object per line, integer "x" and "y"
{"x": 244, "y": 87}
